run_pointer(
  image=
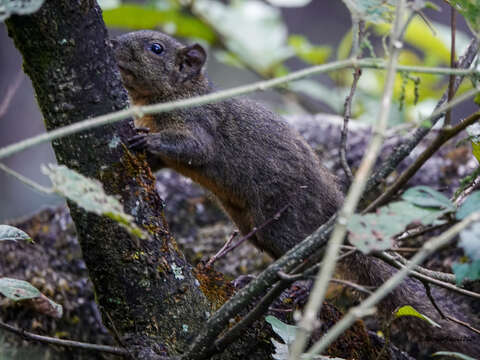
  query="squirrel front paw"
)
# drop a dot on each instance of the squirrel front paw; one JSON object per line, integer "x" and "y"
{"x": 138, "y": 142}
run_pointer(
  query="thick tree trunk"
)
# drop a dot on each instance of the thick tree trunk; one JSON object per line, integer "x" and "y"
{"x": 145, "y": 289}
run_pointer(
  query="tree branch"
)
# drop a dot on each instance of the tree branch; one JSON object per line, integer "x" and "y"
{"x": 306, "y": 324}
{"x": 364, "y": 308}
{"x": 67, "y": 343}
{"x": 445, "y": 135}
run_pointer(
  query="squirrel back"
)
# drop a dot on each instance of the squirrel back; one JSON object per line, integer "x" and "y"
{"x": 256, "y": 165}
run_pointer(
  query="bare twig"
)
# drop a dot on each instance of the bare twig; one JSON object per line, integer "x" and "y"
{"x": 451, "y": 91}
{"x": 68, "y": 343}
{"x": 29, "y": 182}
{"x": 361, "y": 310}
{"x": 223, "y": 42}
{"x": 140, "y": 111}
{"x": 11, "y": 90}
{"x": 410, "y": 142}
{"x": 421, "y": 274}
{"x": 358, "y": 34}
{"x": 347, "y": 114}
{"x": 428, "y": 291}
{"x": 317, "y": 295}
{"x": 417, "y": 231}
{"x": 229, "y": 247}
{"x": 467, "y": 325}
{"x": 222, "y": 251}
{"x": 444, "y": 135}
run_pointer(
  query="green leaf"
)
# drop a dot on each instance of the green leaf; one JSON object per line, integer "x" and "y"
{"x": 455, "y": 355}
{"x": 12, "y": 233}
{"x": 252, "y": 30}
{"x": 375, "y": 11}
{"x": 311, "y": 54}
{"x": 285, "y": 331}
{"x": 473, "y": 132}
{"x": 469, "y": 241}
{"x": 470, "y": 10}
{"x": 137, "y": 17}
{"x": 464, "y": 271}
{"x": 408, "y": 310}
{"x": 469, "y": 206}
{"x": 89, "y": 195}
{"x": 18, "y": 290}
{"x": 375, "y": 231}
{"x": 427, "y": 197}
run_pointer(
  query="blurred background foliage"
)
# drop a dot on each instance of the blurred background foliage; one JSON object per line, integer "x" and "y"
{"x": 254, "y": 39}
{"x": 252, "y": 34}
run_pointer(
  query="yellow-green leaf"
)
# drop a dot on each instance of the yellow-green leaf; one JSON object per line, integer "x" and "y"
{"x": 470, "y": 10}
{"x": 312, "y": 54}
{"x": 89, "y": 195}
{"x": 408, "y": 310}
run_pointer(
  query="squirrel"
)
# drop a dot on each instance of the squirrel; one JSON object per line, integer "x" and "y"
{"x": 257, "y": 167}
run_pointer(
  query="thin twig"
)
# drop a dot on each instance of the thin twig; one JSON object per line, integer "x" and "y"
{"x": 428, "y": 291}
{"x": 411, "y": 141}
{"x": 352, "y": 285}
{"x": 467, "y": 325}
{"x": 229, "y": 247}
{"x": 347, "y": 114}
{"x": 358, "y": 35}
{"x": 445, "y": 135}
{"x": 361, "y": 310}
{"x": 422, "y": 276}
{"x": 222, "y": 41}
{"x": 417, "y": 231}
{"x": 30, "y": 183}
{"x": 11, "y": 90}
{"x": 140, "y": 111}
{"x": 317, "y": 295}
{"x": 68, "y": 343}
{"x": 257, "y": 286}
{"x": 222, "y": 251}
{"x": 451, "y": 91}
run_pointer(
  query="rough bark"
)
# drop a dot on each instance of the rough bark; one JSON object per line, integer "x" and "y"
{"x": 145, "y": 289}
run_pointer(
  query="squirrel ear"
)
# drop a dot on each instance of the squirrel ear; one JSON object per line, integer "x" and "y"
{"x": 192, "y": 59}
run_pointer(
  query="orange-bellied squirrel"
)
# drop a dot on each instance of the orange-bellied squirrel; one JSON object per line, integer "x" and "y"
{"x": 255, "y": 165}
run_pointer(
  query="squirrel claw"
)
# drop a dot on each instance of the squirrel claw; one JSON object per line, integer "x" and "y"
{"x": 142, "y": 129}
{"x": 137, "y": 142}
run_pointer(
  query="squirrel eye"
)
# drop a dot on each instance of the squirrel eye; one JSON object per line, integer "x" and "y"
{"x": 156, "y": 48}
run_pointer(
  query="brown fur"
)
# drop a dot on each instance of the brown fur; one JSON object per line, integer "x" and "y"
{"x": 248, "y": 158}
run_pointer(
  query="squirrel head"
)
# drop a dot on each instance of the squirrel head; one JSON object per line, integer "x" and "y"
{"x": 157, "y": 68}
